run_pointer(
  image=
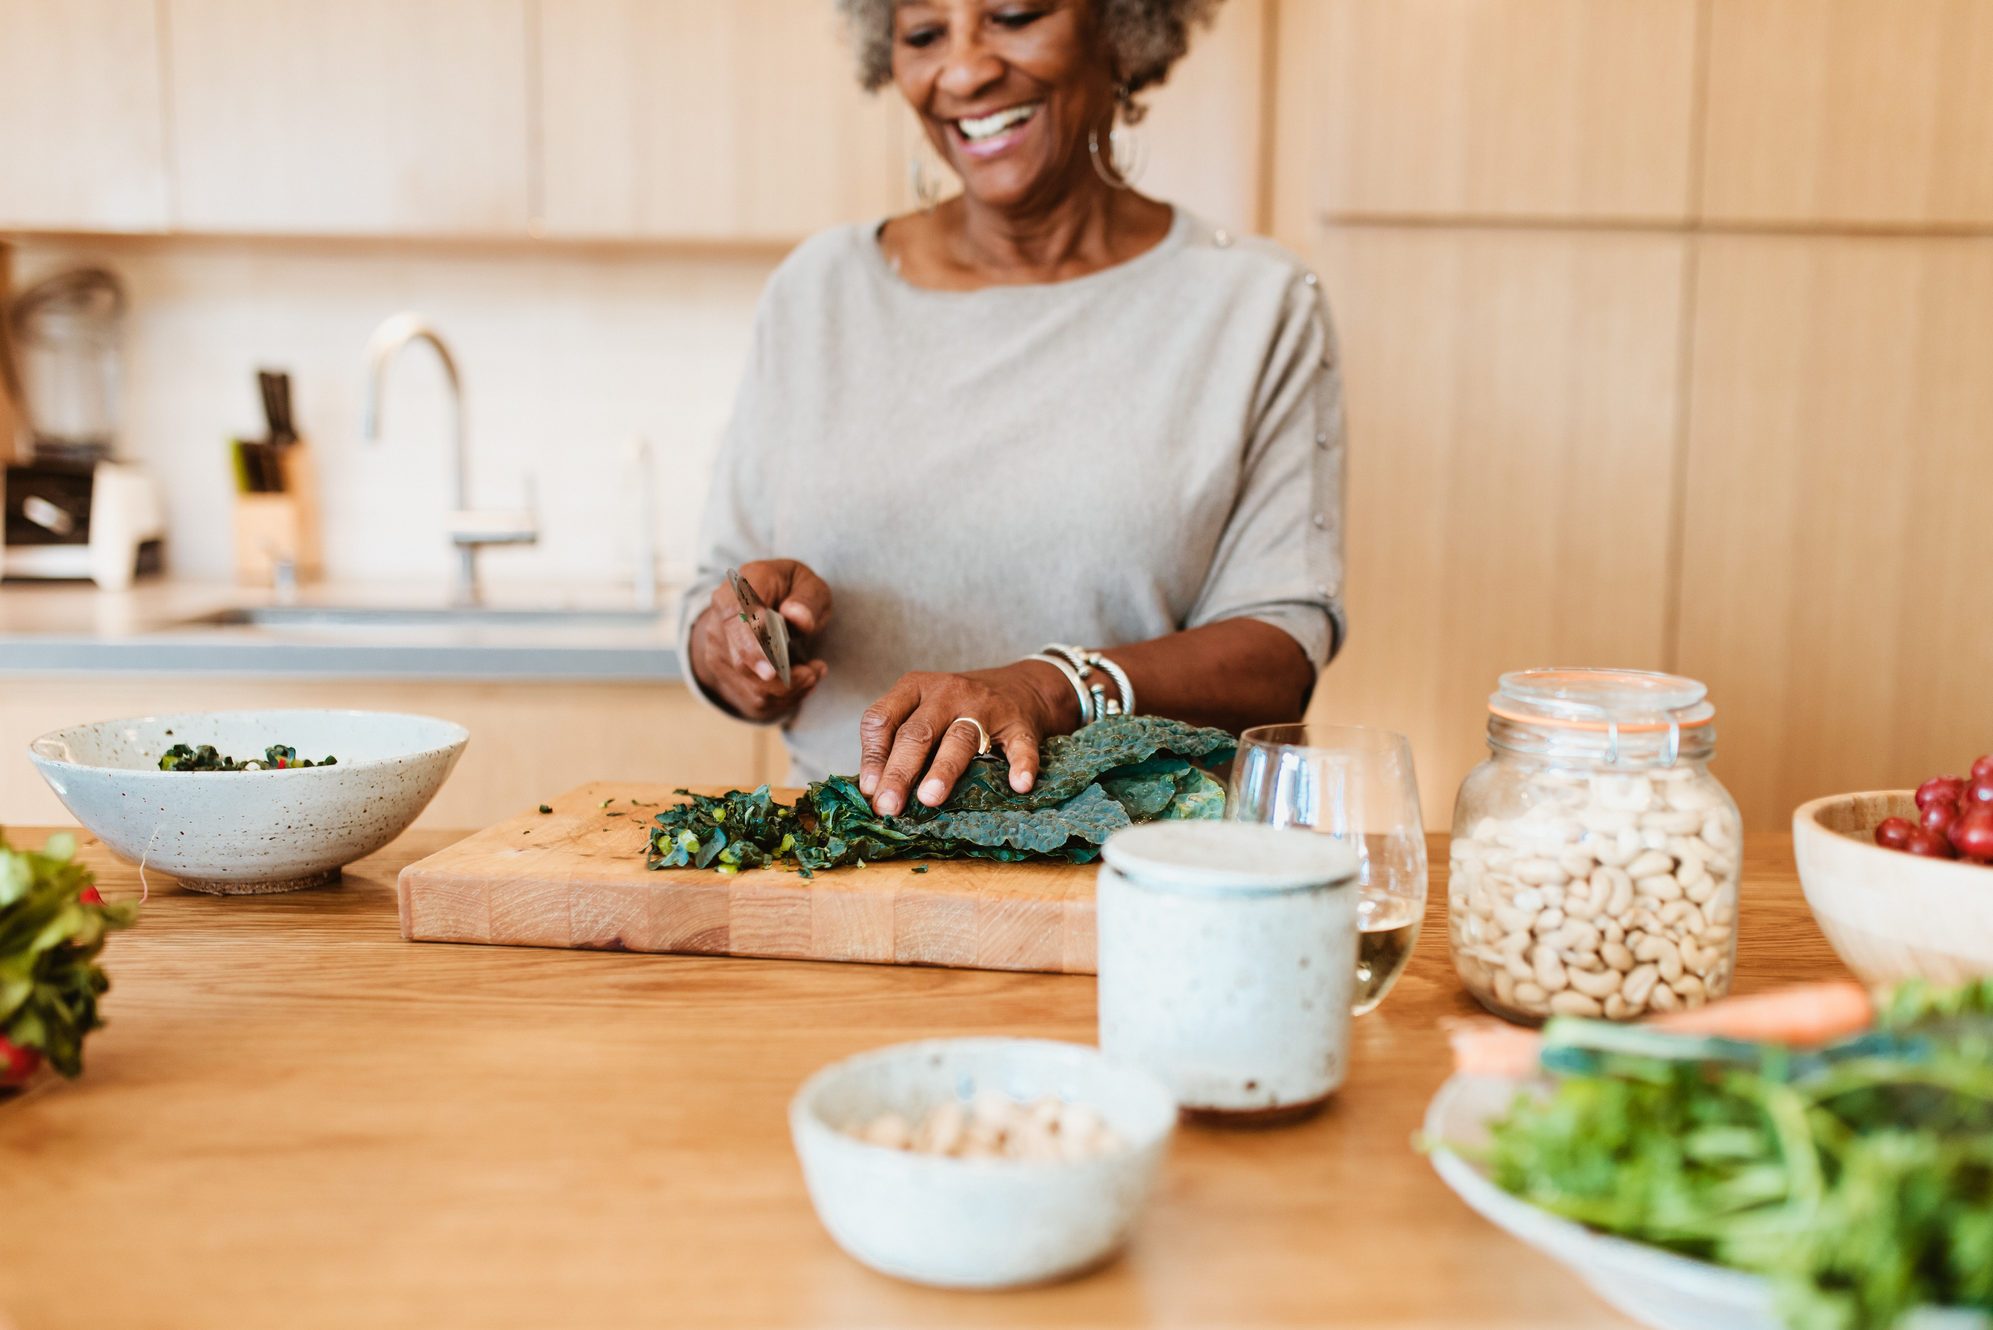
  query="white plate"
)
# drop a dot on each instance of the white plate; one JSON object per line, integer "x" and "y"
{"x": 1653, "y": 1286}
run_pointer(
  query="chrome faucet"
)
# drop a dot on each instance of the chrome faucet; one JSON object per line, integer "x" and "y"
{"x": 468, "y": 530}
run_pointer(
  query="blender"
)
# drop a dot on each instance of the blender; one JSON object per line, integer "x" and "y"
{"x": 72, "y": 511}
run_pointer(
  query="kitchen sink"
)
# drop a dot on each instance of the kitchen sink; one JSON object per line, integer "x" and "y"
{"x": 376, "y": 616}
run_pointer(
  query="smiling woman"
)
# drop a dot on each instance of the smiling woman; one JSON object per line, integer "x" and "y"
{"x": 1146, "y": 37}
{"x": 1049, "y": 410}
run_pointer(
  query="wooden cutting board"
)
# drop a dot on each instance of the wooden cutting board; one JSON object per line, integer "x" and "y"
{"x": 575, "y": 877}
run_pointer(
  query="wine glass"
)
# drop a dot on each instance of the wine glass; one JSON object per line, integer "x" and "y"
{"x": 1357, "y": 785}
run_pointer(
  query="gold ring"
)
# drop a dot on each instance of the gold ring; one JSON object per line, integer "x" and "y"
{"x": 982, "y": 735}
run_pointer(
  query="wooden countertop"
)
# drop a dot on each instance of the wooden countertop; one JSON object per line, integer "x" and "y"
{"x": 295, "y": 1118}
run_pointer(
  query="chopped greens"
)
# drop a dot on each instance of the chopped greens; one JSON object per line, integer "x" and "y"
{"x": 546, "y": 808}
{"x": 277, "y": 757}
{"x": 1091, "y": 783}
{"x": 1857, "y": 1177}
{"x": 52, "y": 925}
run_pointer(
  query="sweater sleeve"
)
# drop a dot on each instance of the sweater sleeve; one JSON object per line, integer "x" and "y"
{"x": 735, "y": 527}
{"x": 1280, "y": 557}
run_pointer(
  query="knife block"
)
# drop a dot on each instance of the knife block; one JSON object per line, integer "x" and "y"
{"x": 274, "y": 528}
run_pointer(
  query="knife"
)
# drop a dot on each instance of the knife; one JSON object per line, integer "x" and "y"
{"x": 768, "y": 627}
{"x": 276, "y": 389}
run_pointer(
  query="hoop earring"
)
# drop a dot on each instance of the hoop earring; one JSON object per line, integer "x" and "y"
{"x": 1121, "y": 165}
{"x": 921, "y": 182}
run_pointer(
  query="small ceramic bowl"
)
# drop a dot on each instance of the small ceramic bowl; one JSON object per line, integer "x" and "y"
{"x": 978, "y": 1223}
{"x": 1891, "y": 915}
{"x": 248, "y": 832}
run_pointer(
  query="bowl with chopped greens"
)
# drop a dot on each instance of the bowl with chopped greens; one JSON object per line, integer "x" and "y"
{"x": 249, "y": 802}
{"x": 1716, "y": 1177}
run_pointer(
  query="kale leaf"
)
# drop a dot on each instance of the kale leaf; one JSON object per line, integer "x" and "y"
{"x": 1091, "y": 783}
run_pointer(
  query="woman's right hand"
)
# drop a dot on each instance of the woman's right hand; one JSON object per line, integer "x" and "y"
{"x": 729, "y": 663}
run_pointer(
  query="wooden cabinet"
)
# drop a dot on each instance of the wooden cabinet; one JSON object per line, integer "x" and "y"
{"x": 1833, "y": 587}
{"x": 588, "y": 119}
{"x": 528, "y": 741}
{"x": 689, "y": 119}
{"x": 684, "y": 119}
{"x": 367, "y": 117}
{"x": 1204, "y": 134}
{"x": 1512, "y": 416}
{"x": 1850, "y": 111}
{"x": 1511, "y": 108}
{"x": 82, "y": 139}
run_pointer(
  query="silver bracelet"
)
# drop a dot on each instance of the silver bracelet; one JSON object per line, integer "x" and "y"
{"x": 1083, "y": 663}
{"x": 1126, "y": 707}
{"x": 1087, "y": 715}
{"x": 1074, "y": 656}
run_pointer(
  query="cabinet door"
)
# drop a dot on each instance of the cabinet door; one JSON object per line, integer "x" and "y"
{"x": 82, "y": 144}
{"x": 1513, "y": 421}
{"x": 366, "y": 117}
{"x": 687, "y": 119}
{"x": 1850, "y": 111}
{"x": 1202, "y": 135}
{"x": 1833, "y": 586}
{"x": 1496, "y": 108}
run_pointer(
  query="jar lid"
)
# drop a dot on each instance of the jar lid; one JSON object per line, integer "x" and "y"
{"x": 1621, "y": 701}
{"x": 1212, "y": 857}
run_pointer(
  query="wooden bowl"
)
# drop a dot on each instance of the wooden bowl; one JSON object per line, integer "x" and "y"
{"x": 1891, "y": 915}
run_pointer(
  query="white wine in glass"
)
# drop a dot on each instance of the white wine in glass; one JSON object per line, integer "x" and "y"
{"x": 1357, "y": 785}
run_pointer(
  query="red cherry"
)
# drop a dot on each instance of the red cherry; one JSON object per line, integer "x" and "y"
{"x": 90, "y": 896}
{"x": 1893, "y": 832}
{"x": 16, "y": 1064}
{"x": 1929, "y": 843}
{"x": 1979, "y": 792}
{"x": 1972, "y": 834}
{"x": 1949, "y": 789}
{"x": 1939, "y": 816}
{"x": 1982, "y": 767}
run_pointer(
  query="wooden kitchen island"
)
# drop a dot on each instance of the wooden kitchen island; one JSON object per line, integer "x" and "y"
{"x": 297, "y": 1119}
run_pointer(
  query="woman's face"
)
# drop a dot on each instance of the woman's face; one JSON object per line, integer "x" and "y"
{"x": 1006, "y": 89}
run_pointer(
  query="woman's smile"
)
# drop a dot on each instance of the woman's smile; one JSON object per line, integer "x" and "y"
{"x": 994, "y": 133}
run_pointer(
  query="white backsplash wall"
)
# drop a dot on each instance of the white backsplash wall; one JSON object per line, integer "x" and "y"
{"x": 565, "y": 355}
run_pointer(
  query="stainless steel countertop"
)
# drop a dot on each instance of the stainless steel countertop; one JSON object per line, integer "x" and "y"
{"x": 157, "y": 627}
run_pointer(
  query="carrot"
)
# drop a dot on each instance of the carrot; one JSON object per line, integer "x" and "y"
{"x": 1484, "y": 1046}
{"x": 1802, "y": 1016}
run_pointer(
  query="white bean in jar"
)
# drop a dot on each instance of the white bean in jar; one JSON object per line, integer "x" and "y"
{"x": 1611, "y": 894}
{"x": 1594, "y": 857}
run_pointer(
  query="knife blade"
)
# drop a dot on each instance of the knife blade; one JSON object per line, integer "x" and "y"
{"x": 768, "y": 627}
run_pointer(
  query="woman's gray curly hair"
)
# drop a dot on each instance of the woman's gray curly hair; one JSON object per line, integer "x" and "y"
{"x": 1145, "y": 36}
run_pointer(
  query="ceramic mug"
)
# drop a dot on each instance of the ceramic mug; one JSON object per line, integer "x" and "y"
{"x": 1227, "y": 960}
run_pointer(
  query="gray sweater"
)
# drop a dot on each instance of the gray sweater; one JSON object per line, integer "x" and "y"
{"x": 1148, "y": 448}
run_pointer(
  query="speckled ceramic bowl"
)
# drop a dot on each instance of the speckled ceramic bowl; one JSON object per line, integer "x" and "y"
{"x": 978, "y": 1223}
{"x": 244, "y": 832}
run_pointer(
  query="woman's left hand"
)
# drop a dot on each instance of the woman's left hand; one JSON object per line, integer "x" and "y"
{"x": 913, "y": 729}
